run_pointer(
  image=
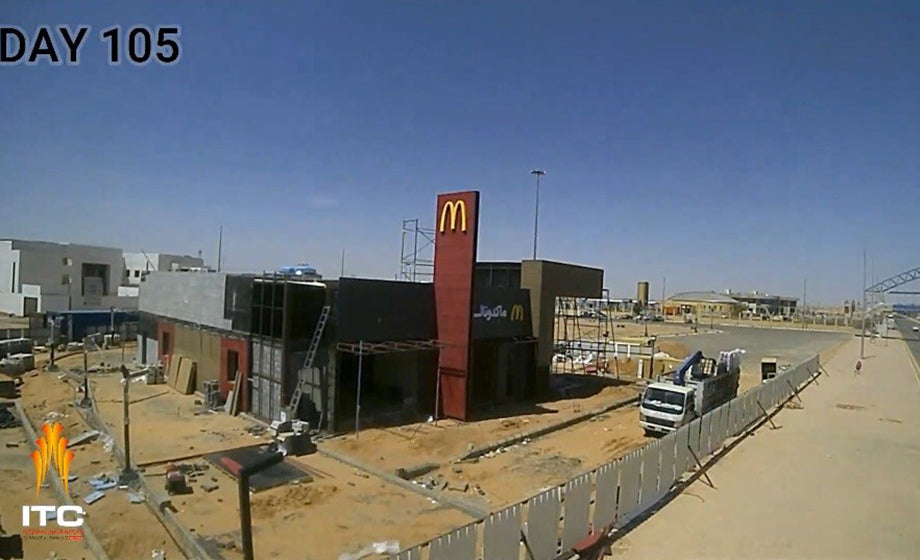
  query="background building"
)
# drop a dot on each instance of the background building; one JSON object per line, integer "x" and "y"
{"x": 481, "y": 334}
{"x": 703, "y": 304}
{"x": 37, "y": 276}
{"x": 138, "y": 265}
{"x": 758, "y": 304}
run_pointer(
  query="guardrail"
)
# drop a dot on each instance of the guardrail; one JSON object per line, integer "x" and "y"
{"x": 548, "y": 525}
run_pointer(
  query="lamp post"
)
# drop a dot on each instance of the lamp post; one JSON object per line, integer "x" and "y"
{"x": 536, "y": 215}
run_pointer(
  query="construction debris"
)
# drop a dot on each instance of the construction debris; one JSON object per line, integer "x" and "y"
{"x": 85, "y": 437}
{"x": 382, "y": 547}
{"x": 102, "y": 482}
{"x": 408, "y": 473}
{"x": 94, "y": 497}
{"x": 8, "y": 419}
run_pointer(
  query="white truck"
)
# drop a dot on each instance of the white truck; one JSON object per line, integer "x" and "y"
{"x": 699, "y": 385}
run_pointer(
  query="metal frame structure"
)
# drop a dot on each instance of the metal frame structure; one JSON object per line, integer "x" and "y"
{"x": 888, "y": 284}
{"x": 574, "y": 339}
{"x": 416, "y": 256}
{"x": 362, "y": 349}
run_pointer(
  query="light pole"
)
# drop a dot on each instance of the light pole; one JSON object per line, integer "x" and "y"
{"x": 536, "y": 215}
{"x": 862, "y": 339}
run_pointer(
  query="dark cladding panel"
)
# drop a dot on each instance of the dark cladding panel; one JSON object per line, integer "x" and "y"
{"x": 381, "y": 310}
{"x": 147, "y": 324}
{"x": 501, "y": 313}
{"x": 457, "y": 223}
{"x": 238, "y": 302}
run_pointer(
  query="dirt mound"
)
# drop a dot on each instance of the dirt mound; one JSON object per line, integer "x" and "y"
{"x": 280, "y": 500}
{"x": 673, "y": 349}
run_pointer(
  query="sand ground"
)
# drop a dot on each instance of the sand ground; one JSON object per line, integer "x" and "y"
{"x": 838, "y": 479}
{"x": 44, "y": 396}
{"x": 342, "y": 509}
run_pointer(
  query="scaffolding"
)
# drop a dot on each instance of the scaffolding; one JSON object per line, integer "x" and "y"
{"x": 583, "y": 334}
{"x": 416, "y": 255}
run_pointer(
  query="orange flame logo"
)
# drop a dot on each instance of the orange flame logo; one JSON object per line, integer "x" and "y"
{"x": 51, "y": 448}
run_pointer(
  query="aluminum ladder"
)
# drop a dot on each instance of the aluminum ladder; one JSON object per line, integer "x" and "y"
{"x": 311, "y": 356}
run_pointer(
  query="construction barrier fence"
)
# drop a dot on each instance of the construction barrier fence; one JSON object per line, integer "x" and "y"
{"x": 550, "y": 524}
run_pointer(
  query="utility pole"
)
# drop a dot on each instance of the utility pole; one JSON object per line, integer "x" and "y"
{"x": 862, "y": 340}
{"x": 664, "y": 283}
{"x": 536, "y": 215}
{"x": 220, "y": 246}
{"x": 804, "y": 300}
{"x": 342, "y": 273}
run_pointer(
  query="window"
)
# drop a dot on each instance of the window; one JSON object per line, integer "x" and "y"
{"x": 137, "y": 273}
{"x": 68, "y": 261}
{"x": 127, "y": 273}
{"x": 65, "y": 280}
{"x": 233, "y": 364}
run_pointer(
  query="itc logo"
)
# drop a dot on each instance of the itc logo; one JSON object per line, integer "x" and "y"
{"x": 51, "y": 448}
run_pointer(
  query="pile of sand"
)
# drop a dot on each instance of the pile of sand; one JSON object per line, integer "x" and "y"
{"x": 287, "y": 498}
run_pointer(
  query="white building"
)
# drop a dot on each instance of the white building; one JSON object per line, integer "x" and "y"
{"x": 138, "y": 265}
{"x": 39, "y": 276}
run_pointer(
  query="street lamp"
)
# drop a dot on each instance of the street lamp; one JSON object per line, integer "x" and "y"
{"x": 536, "y": 215}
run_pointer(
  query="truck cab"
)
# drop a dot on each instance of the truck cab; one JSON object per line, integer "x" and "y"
{"x": 666, "y": 407}
{"x": 698, "y": 386}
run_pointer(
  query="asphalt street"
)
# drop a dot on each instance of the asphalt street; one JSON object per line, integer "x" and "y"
{"x": 789, "y": 346}
{"x": 912, "y": 338}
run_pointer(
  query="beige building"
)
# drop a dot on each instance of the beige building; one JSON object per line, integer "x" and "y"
{"x": 703, "y": 304}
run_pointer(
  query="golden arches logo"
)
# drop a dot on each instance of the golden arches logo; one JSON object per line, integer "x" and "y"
{"x": 52, "y": 448}
{"x": 455, "y": 209}
{"x": 517, "y": 312}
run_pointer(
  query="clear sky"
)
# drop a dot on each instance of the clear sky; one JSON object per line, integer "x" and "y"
{"x": 743, "y": 145}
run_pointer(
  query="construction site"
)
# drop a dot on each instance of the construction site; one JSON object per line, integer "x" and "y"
{"x": 364, "y": 416}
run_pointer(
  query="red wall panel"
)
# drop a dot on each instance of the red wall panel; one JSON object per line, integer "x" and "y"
{"x": 457, "y": 223}
{"x": 165, "y": 353}
{"x": 241, "y": 347}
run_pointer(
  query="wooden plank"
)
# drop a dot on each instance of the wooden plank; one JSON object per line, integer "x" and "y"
{"x": 186, "y": 382}
{"x": 172, "y": 370}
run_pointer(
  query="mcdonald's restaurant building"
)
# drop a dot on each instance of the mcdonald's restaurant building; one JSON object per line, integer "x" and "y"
{"x": 479, "y": 335}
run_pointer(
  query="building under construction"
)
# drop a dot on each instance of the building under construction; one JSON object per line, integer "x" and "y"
{"x": 479, "y": 335}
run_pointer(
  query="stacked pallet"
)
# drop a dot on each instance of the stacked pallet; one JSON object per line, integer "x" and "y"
{"x": 180, "y": 374}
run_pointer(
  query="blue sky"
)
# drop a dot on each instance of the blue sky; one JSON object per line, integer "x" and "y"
{"x": 743, "y": 145}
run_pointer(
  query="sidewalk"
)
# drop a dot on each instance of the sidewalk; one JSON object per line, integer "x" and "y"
{"x": 839, "y": 478}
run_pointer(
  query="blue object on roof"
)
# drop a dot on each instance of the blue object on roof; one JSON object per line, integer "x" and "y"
{"x": 297, "y": 270}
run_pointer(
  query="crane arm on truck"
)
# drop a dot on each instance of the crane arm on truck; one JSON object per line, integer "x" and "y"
{"x": 691, "y": 361}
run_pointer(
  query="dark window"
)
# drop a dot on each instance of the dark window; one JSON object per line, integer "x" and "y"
{"x": 233, "y": 364}
{"x": 164, "y": 345}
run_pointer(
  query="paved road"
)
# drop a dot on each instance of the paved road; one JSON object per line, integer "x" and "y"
{"x": 788, "y": 346}
{"x": 839, "y": 478}
{"x": 912, "y": 338}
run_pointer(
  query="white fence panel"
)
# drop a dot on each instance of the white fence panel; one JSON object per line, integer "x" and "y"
{"x": 628, "y": 503}
{"x": 543, "y": 523}
{"x": 666, "y": 475}
{"x": 577, "y": 499}
{"x": 501, "y": 535}
{"x": 650, "y": 461}
{"x": 457, "y": 545}
{"x": 606, "y": 483}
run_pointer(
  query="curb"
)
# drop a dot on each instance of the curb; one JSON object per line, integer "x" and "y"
{"x": 463, "y": 506}
{"x": 538, "y": 432}
{"x": 88, "y": 537}
{"x": 913, "y": 361}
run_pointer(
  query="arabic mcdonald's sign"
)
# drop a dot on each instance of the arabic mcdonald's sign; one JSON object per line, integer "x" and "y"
{"x": 52, "y": 448}
{"x": 454, "y": 209}
{"x": 517, "y": 312}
